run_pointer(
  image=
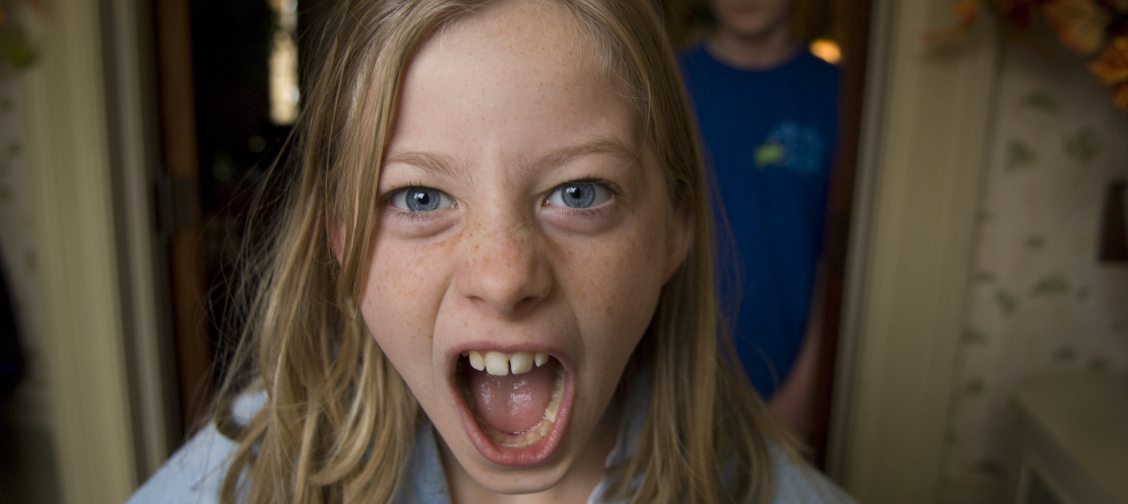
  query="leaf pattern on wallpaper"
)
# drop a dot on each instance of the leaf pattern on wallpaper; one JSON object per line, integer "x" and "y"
{"x": 989, "y": 468}
{"x": 1043, "y": 101}
{"x": 1099, "y": 364}
{"x": 1054, "y": 284}
{"x": 983, "y": 276}
{"x": 950, "y": 437}
{"x": 1065, "y": 354}
{"x": 1038, "y": 301}
{"x": 974, "y": 337}
{"x": 1019, "y": 156}
{"x": 974, "y": 387}
{"x": 1007, "y": 302}
{"x": 1083, "y": 146}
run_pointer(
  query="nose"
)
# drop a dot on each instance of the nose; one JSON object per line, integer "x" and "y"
{"x": 505, "y": 269}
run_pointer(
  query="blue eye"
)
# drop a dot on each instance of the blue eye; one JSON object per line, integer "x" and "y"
{"x": 421, "y": 199}
{"x": 579, "y": 195}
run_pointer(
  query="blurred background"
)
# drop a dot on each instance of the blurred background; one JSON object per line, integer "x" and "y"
{"x": 976, "y": 242}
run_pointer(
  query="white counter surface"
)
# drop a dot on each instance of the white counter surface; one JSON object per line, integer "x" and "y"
{"x": 1085, "y": 415}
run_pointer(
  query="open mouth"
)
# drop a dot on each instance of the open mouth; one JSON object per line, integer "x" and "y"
{"x": 515, "y": 401}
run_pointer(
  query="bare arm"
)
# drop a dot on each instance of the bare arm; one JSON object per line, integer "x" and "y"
{"x": 791, "y": 403}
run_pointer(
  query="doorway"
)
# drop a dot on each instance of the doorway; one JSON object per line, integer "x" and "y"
{"x": 845, "y": 27}
{"x": 218, "y": 137}
{"x": 229, "y": 88}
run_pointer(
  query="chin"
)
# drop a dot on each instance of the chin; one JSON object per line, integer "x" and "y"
{"x": 510, "y": 482}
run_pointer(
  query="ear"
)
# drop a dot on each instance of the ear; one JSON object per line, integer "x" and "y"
{"x": 679, "y": 238}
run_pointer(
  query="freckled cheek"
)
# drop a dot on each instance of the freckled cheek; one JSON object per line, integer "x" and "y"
{"x": 621, "y": 280}
{"x": 397, "y": 270}
{"x": 402, "y": 293}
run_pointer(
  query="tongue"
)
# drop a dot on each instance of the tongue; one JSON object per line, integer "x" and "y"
{"x": 513, "y": 403}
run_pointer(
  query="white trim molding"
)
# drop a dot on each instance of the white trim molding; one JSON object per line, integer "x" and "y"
{"x": 927, "y": 121}
{"x": 70, "y": 163}
{"x": 134, "y": 154}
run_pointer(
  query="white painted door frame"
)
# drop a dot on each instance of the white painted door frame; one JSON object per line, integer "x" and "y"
{"x": 925, "y": 135}
{"x": 89, "y": 155}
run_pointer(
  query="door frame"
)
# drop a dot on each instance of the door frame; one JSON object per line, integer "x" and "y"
{"x": 926, "y": 128}
{"x": 91, "y": 153}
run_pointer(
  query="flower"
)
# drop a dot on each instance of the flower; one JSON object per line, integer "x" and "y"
{"x": 1079, "y": 24}
{"x": 1111, "y": 67}
{"x": 1118, "y": 6}
{"x": 1120, "y": 96}
{"x": 1086, "y": 27}
{"x": 1018, "y": 12}
{"x": 967, "y": 14}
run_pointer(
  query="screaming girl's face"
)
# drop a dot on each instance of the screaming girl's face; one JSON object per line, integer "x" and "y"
{"x": 525, "y": 233}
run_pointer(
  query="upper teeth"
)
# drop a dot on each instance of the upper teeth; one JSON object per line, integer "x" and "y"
{"x": 500, "y": 364}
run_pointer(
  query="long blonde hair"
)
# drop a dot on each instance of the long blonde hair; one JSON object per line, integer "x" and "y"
{"x": 338, "y": 419}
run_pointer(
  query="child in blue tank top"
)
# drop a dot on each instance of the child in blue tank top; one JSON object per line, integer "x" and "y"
{"x": 768, "y": 116}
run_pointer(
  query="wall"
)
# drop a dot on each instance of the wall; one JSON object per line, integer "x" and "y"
{"x": 83, "y": 109}
{"x": 27, "y": 471}
{"x": 17, "y": 231}
{"x": 1038, "y": 299}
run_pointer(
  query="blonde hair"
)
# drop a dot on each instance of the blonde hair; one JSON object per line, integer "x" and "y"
{"x": 338, "y": 417}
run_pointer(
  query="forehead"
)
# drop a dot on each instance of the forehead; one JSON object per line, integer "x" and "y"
{"x": 517, "y": 65}
{"x": 543, "y": 37}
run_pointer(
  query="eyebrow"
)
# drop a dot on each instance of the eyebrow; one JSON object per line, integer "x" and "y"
{"x": 600, "y": 145}
{"x": 437, "y": 163}
{"x": 447, "y": 166}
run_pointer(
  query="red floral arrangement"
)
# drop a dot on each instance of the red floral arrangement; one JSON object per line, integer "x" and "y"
{"x": 1086, "y": 27}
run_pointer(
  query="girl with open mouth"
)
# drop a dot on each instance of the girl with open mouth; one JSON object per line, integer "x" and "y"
{"x": 493, "y": 282}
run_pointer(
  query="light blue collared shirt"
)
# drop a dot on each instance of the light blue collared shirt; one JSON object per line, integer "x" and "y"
{"x": 194, "y": 475}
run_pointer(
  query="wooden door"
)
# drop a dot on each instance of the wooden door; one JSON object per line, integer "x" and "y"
{"x": 218, "y": 138}
{"x": 179, "y": 206}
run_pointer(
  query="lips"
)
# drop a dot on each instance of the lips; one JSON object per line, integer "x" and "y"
{"x": 514, "y": 404}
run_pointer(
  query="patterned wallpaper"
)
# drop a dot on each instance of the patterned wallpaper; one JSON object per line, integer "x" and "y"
{"x": 17, "y": 232}
{"x": 1039, "y": 300}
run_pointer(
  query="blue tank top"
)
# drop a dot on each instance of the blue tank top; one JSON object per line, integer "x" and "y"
{"x": 769, "y": 137}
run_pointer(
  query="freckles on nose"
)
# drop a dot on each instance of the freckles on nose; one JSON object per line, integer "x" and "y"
{"x": 503, "y": 264}
{"x": 508, "y": 246}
